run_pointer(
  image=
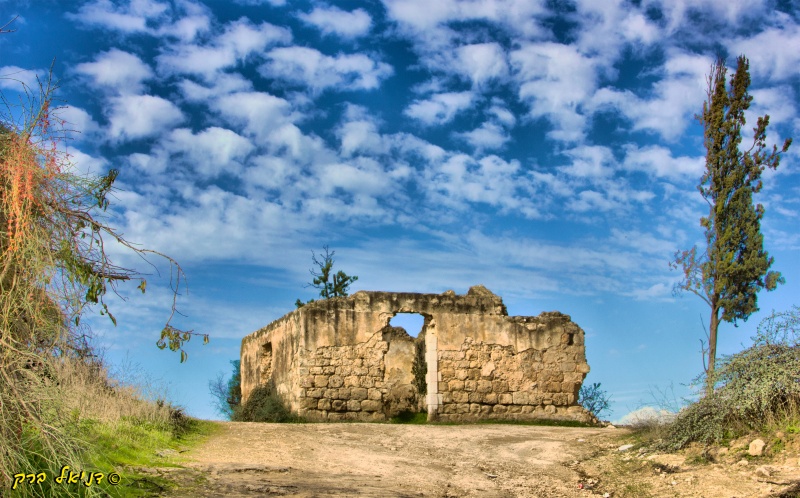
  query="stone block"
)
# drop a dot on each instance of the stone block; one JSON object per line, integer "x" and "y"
{"x": 329, "y": 370}
{"x": 358, "y": 393}
{"x": 315, "y": 393}
{"x": 308, "y": 403}
{"x": 462, "y": 374}
{"x": 354, "y": 405}
{"x": 338, "y": 405}
{"x": 374, "y": 394}
{"x": 520, "y": 398}
{"x": 505, "y": 398}
{"x": 462, "y": 408}
{"x": 499, "y": 409}
{"x": 500, "y": 386}
{"x": 484, "y": 386}
{"x": 324, "y": 404}
{"x": 470, "y": 385}
{"x": 475, "y": 397}
{"x": 344, "y": 393}
{"x": 474, "y": 408}
{"x": 460, "y": 396}
{"x": 455, "y": 385}
{"x": 320, "y": 381}
{"x": 371, "y": 405}
{"x": 335, "y": 381}
{"x": 490, "y": 398}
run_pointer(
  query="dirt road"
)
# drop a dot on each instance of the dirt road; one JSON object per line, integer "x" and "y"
{"x": 384, "y": 460}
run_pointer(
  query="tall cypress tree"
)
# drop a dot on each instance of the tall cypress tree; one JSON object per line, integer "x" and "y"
{"x": 734, "y": 266}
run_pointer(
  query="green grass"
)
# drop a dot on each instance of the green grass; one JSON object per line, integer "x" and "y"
{"x": 416, "y": 418}
{"x": 129, "y": 445}
{"x": 542, "y": 422}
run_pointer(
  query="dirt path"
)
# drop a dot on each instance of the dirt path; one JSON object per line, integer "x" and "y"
{"x": 383, "y": 460}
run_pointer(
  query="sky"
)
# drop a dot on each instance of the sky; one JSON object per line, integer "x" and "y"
{"x": 545, "y": 149}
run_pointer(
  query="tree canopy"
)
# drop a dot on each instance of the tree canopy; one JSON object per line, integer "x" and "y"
{"x": 329, "y": 284}
{"x": 734, "y": 266}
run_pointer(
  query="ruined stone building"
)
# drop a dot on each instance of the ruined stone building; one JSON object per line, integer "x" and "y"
{"x": 340, "y": 359}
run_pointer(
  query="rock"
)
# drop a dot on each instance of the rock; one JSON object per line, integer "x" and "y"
{"x": 722, "y": 452}
{"x": 625, "y": 447}
{"x": 610, "y": 426}
{"x": 756, "y": 447}
{"x": 742, "y": 463}
{"x": 763, "y": 471}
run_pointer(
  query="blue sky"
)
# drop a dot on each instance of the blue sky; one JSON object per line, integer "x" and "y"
{"x": 544, "y": 149}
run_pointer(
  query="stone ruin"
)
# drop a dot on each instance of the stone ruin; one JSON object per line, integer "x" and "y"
{"x": 340, "y": 359}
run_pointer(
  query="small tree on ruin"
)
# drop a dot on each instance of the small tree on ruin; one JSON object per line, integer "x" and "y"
{"x": 329, "y": 284}
{"x": 734, "y": 266}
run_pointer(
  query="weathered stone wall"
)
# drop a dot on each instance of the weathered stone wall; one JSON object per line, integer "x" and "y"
{"x": 339, "y": 359}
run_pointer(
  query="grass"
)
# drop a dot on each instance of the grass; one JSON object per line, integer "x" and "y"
{"x": 110, "y": 429}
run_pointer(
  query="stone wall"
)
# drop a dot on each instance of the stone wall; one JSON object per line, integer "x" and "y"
{"x": 340, "y": 359}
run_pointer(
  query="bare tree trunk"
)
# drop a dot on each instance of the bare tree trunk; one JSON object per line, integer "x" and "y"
{"x": 712, "y": 349}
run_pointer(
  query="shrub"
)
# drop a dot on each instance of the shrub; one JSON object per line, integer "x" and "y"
{"x": 263, "y": 405}
{"x": 755, "y": 388}
{"x": 227, "y": 394}
{"x": 593, "y": 399}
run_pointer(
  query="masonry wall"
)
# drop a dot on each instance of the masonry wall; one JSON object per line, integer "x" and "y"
{"x": 339, "y": 359}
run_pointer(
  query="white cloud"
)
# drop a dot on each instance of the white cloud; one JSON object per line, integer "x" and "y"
{"x": 240, "y": 39}
{"x": 222, "y": 84}
{"x": 187, "y": 28}
{"x": 130, "y": 17}
{"x": 77, "y": 120}
{"x": 589, "y": 161}
{"x": 460, "y": 179}
{"x": 312, "y": 68}
{"x": 658, "y": 161}
{"x": 772, "y": 53}
{"x": 359, "y": 133}
{"x": 119, "y": 71}
{"x": 440, "y": 108}
{"x": 274, "y": 3}
{"x": 333, "y": 20}
{"x": 14, "y": 77}
{"x": 608, "y": 26}
{"x": 674, "y": 99}
{"x": 139, "y": 116}
{"x": 488, "y": 136}
{"x": 86, "y": 164}
{"x": 481, "y": 62}
{"x": 422, "y": 15}
{"x": 260, "y": 113}
{"x": 555, "y": 80}
{"x": 210, "y": 152}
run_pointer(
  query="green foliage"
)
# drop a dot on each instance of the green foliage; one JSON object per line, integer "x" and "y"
{"x": 593, "y": 399}
{"x": 419, "y": 368}
{"x": 264, "y": 405}
{"x": 409, "y": 417}
{"x": 329, "y": 286}
{"x": 227, "y": 394}
{"x": 755, "y": 388}
{"x": 734, "y": 265}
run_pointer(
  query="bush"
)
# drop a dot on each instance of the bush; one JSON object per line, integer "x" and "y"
{"x": 755, "y": 388}
{"x": 227, "y": 394}
{"x": 263, "y": 405}
{"x": 593, "y": 399}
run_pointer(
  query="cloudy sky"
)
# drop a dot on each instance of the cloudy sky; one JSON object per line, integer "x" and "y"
{"x": 544, "y": 149}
